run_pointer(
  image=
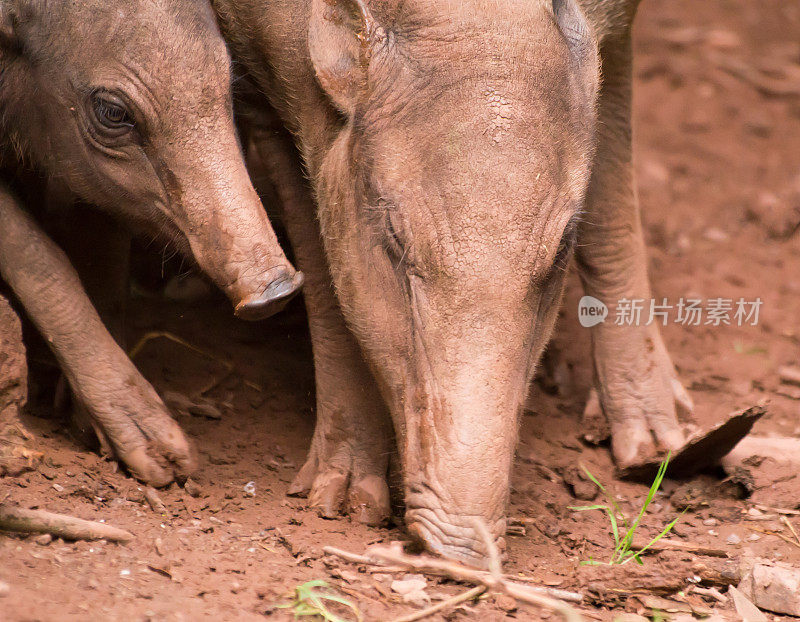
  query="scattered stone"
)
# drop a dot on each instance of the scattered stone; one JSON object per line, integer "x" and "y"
{"x": 789, "y": 375}
{"x": 745, "y": 608}
{"x": 733, "y": 539}
{"x": 250, "y": 489}
{"x": 711, "y": 522}
{"x": 505, "y": 603}
{"x": 192, "y": 488}
{"x": 715, "y": 234}
{"x": 579, "y": 484}
{"x": 412, "y": 589}
{"x": 773, "y": 586}
{"x": 44, "y": 539}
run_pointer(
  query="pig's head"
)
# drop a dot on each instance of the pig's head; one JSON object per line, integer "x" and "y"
{"x": 129, "y": 104}
{"x": 450, "y": 198}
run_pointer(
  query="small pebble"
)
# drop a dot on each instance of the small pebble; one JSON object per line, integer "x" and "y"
{"x": 711, "y": 522}
{"x": 250, "y": 489}
{"x": 753, "y": 537}
{"x": 755, "y": 512}
{"x": 192, "y": 488}
{"x": 125, "y": 573}
{"x": 733, "y": 539}
{"x": 44, "y": 539}
{"x": 505, "y": 602}
{"x": 5, "y": 589}
{"x": 715, "y": 234}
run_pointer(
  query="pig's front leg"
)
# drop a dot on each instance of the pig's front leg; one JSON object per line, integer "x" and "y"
{"x": 634, "y": 375}
{"x": 125, "y": 409}
{"x": 347, "y": 465}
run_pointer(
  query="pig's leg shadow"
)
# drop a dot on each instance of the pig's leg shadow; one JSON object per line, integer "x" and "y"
{"x": 124, "y": 409}
{"x": 635, "y": 379}
{"x": 346, "y": 469}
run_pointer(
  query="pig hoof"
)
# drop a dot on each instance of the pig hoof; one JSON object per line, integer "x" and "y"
{"x": 152, "y": 447}
{"x": 641, "y": 430}
{"x": 638, "y": 397}
{"x": 369, "y": 500}
{"x": 333, "y": 492}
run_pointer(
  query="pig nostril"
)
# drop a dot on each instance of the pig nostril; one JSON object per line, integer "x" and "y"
{"x": 273, "y": 299}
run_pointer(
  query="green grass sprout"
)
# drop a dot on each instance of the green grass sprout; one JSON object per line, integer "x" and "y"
{"x": 311, "y": 598}
{"x": 623, "y": 542}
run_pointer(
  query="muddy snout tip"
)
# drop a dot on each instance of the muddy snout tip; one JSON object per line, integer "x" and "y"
{"x": 272, "y": 300}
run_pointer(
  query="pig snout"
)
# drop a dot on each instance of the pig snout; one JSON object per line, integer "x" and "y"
{"x": 251, "y": 269}
{"x": 459, "y": 441}
{"x": 231, "y": 237}
{"x": 453, "y": 536}
{"x": 284, "y": 286}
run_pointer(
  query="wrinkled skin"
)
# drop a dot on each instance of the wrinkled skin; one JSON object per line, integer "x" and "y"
{"x": 451, "y": 147}
{"x": 126, "y": 106}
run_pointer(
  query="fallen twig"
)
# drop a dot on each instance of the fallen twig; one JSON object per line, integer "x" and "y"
{"x": 788, "y": 512}
{"x": 377, "y": 566}
{"x": 20, "y": 520}
{"x": 791, "y": 528}
{"x": 539, "y": 597}
{"x": 472, "y": 594}
{"x": 711, "y": 592}
{"x": 776, "y": 534}
{"x": 675, "y": 545}
{"x": 459, "y": 572}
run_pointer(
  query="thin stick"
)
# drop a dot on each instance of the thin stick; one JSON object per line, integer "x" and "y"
{"x": 495, "y": 566}
{"x": 459, "y": 572}
{"x": 20, "y": 520}
{"x": 675, "y": 545}
{"x": 378, "y": 566}
{"x": 791, "y": 528}
{"x": 347, "y": 556}
{"x": 766, "y": 508}
{"x": 777, "y": 535}
{"x": 711, "y": 592}
{"x": 445, "y": 604}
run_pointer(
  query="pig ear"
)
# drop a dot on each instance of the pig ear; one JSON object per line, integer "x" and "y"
{"x": 338, "y": 33}
{"x": 580, "y": 39}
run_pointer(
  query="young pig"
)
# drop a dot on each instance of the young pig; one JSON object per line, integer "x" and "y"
{"x": 128, "y": 106}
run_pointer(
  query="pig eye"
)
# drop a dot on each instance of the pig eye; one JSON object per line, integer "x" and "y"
{"x": 110, "y": 114}
{"x": 565, "y": 248}
{"x": 394, "y": 242}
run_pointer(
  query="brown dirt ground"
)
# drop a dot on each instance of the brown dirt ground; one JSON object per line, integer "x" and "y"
{"x": 720, "y": 187}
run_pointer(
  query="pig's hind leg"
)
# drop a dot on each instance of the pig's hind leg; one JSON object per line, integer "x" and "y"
{"x": 347, "y": 465}
{"x": 636, "y": 382}
{"x": 124, "y": 408}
